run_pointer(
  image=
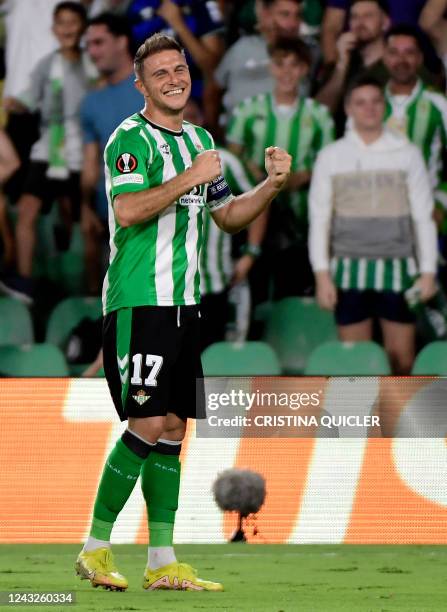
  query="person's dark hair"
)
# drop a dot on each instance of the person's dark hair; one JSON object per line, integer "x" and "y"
{"x": 116, "y": 24}
{"x": 362, "y": 81}
{"x": 152, "y": 45}
{"x": 268, "y": 3}
{"x": 382, "y": 4}
{"x": 288, "y": 46}
{"x": 74, "y": 7}
{"x": 405, "y": 30}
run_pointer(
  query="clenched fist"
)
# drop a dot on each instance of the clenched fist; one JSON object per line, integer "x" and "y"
{"x": 277, "y": 164}
{"x": 206, "y": 167}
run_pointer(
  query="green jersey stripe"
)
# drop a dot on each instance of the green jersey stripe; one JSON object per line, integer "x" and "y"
{"x": 271, "y": 128}
{"x": 363, "y": 274}
{"x": 294, "y": 134}
{"x": 204, "y": 261}
{"x": 423, "y": 118}
{"x": 200, "y": 242}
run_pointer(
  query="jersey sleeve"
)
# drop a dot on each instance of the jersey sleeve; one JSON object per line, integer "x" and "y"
{"x": 128, "y": 157}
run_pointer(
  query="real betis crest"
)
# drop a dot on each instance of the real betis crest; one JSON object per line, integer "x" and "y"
{"x": 141, "y": 397}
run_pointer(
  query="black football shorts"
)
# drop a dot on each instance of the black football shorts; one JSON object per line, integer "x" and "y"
{"x": 152, "y": 361}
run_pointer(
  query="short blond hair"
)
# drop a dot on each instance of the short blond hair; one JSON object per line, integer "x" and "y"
{"x": 152, "y": 45}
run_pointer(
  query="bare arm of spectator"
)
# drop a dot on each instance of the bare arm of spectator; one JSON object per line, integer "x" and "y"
{"x": 94, "y": 367}
{"x": 206, "y": 51}
{"x": 6, "y": 235}
{"x": 421, "y": 204}
{"x": 30, "y": 99}
{"x": 299, "y": 179}
{"x": 320, "y": 213}
{"x": 212, "y": 105}
{"x": 332, "y": 92}
{"x": 433, "y": 21}
{"x": 90, "y": 222}
{"x": 9, "y": 163}
{"x": 331, "y": 28}
{"x": 9, "y": 160}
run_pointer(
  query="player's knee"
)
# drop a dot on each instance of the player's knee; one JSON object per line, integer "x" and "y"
{"x": 150, "y": 429}
{"x": 175, "y": 428}
{"x": 174, "y": 431}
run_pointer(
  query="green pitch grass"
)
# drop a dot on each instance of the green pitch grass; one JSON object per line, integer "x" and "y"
{"x": 257, "y": 578}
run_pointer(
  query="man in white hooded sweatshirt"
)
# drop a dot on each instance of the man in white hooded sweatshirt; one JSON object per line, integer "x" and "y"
{"x": 372, "y": 235}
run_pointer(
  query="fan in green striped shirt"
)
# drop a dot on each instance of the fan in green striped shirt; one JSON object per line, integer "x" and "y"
{"x": 411, "y": 108}
{"x": 301, "y": 126}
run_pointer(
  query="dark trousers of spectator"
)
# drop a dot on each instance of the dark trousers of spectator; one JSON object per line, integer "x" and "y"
{"x": 278, "y": 274}
{"x": 214, "y": 317}
{"x": 23, "y": 130}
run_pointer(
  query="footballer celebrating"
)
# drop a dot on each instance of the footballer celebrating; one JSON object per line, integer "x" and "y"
{"x": 161, "y": 172}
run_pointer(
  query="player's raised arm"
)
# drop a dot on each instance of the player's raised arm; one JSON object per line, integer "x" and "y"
{"x": 241, "y": 211}
{"x": 137, "y": 207}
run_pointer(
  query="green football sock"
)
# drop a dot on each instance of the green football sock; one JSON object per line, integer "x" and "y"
{"x": 118, "y": 480}
{"x": 160, "y": 481}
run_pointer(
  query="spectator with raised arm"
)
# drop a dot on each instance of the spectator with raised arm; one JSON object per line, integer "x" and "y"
{"x": 244, "y": 70}
{"x": 336, "y": 15}
{"x": 433, "y": 21}
{"x": 196, "y": 24}
{"x": 359, "y": 51}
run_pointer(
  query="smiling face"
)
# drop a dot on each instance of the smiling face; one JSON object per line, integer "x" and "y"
{"x": 165, "y": 81}
{"x": 403, "y": 58}
{"x": 68, "y": 27}
{"x": 287, "y": 70}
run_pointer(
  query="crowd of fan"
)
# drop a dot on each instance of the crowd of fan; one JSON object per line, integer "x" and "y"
{"x": 263, "y": 72}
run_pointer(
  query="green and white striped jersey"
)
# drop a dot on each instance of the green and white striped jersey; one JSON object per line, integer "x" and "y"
{"x": 396, "y": 274}
{"x": 156, "y": 263}
{"x": 422, "y": 117}
{"x": 215, "y": 258}
{"x": 302, "y": 130}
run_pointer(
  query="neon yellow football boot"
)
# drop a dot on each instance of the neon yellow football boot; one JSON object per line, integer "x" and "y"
{"x": 98, "y": 567}
{"x": 177, "y": 576}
